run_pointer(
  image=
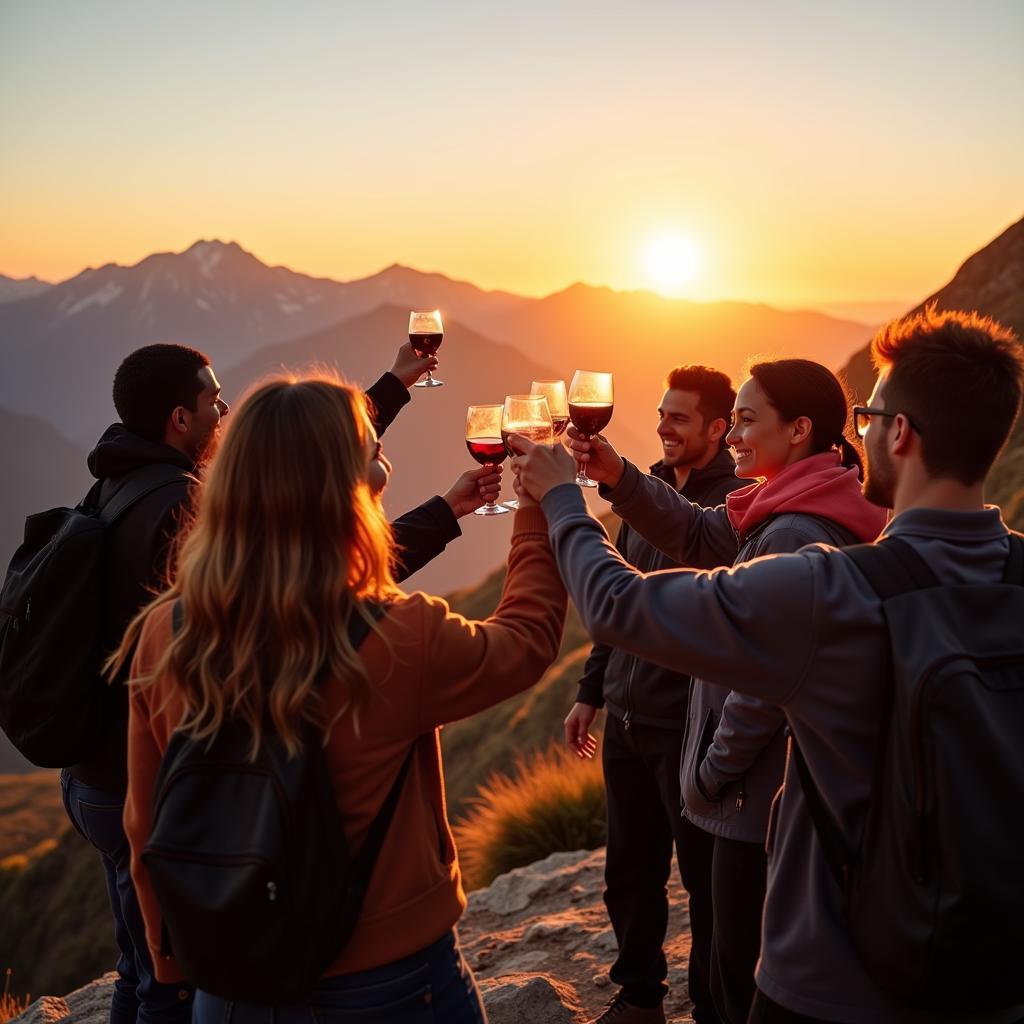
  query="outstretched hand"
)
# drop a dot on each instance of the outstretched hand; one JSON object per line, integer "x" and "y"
{"x": 539, "y": 467}
{"x": 409, "y": 367}
{"x": 603, "y": 463}
{"x": 577, "y": 730}
{"x": 473, "y": 489}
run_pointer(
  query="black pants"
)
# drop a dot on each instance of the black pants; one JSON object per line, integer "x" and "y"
{"x": 764, "y": 1011}
{"x": 739, "y": 876}
{"x": 641, "y": 771}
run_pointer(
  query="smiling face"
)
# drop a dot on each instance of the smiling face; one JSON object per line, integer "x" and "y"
{"x": 686, "y": 440}
{"x": 763, "y": 443}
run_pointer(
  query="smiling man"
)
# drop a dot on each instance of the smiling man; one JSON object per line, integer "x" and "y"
{"x": 643, "y": 736}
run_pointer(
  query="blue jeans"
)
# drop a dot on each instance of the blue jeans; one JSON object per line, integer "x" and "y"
{"x": 433, "y": 986}
{"x": 138, "y": 997}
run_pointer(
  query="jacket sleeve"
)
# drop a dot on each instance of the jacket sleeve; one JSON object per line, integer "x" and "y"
{"x": 143, "y": 767}
{"x": 468, "y": 666}
{"x": 591, "y": 685}
{"x": 387, "y": 396}
{"x": 750, "y": 628}
{"x": 702, "y": 538}
{"x": 748, "y": 725}
{"x": 421, "y": 535}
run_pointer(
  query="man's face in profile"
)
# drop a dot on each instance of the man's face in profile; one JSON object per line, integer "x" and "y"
{"x": 204, "y": 427}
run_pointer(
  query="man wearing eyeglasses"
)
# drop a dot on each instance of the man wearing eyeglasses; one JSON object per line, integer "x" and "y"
{"x": 809, "y": 633}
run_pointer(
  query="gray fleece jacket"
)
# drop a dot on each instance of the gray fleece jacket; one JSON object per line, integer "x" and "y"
{"x": 734, "y": 749}
{"x": 806, "y": 632}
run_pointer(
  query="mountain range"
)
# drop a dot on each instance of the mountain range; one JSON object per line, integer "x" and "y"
{"x": 60, "y": 346}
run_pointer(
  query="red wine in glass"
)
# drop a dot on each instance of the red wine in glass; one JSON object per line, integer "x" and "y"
{"x": 591, "y": 418}
{"x": 488, "y": 451}
{"x": 558, "y": 424}
{"x": 425, "y": 344}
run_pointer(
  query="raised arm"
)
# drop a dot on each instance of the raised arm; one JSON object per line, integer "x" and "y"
{"x": 471, "y": 665}
{"x": 702, "y": 538}
{"x": 748, "y": 629}
{"x": 388, "y": 394}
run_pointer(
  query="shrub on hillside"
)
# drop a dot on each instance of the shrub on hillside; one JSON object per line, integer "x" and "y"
{"x": 552, "y": 802}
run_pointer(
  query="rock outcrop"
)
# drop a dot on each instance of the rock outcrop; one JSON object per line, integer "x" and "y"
{"x": 537, "y": 938}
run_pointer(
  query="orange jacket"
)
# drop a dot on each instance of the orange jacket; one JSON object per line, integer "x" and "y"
{"x": 440, "y": 668}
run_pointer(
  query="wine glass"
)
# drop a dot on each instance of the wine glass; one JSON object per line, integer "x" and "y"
{"x": 558, "y": 404}
{"x": 591, "y": 401}
{"x": 527, "y": 415}
{"x": 485, "y": 444}
{"x": 425, "y": 334}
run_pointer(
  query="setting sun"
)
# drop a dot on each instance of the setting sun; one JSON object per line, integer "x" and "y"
{"x": 672, "y": 262}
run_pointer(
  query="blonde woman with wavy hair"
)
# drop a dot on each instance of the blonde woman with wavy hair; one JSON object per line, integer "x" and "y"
{"x": 290, "y": 540}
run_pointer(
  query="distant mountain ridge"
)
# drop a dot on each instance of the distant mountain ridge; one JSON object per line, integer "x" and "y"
{"x": 14, "y": 288}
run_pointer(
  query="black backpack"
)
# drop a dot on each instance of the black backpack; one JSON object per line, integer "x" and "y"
{"x": 933, "y": 894}
{"x": 53, "y": 698}
{"x": 255, "y": 880}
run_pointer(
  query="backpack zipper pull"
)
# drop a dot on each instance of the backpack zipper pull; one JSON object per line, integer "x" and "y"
{"x": 625, "y": 722}
{"x": 28, "y": 609}
{"x": 740, "y": 797}
{"x": 271, "y": 891}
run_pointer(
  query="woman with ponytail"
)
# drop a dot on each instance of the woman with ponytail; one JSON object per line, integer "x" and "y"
{"x": 789, "y": 433}
{"x": 290, "y": 546}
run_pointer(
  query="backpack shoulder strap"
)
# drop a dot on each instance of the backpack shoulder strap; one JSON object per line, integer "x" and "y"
{"x": 1015, "y": 563}
{"x": 833, "y": 845}
{"x": 147, "y": 480}
{"x": 892, "y": 567}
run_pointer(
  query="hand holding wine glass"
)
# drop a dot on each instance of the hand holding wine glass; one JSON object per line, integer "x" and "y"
{"x": 425, "y": 335}
{"x": 529, "y": 416}
{"x": 591, "y": 403}
{"x": 486, "y": 444}
{"x": 599, "y": 458}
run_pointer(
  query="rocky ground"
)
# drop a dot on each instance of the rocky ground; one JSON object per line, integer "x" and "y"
{"x": 538, "y": 939}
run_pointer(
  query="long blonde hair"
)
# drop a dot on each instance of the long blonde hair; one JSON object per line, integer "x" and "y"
{"x": 288, "y": 541}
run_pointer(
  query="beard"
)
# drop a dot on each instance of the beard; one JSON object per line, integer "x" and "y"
{"x": 879, "y": 477}
{"x": 205, "y": 448}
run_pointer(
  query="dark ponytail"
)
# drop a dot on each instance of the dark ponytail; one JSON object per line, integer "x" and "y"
{"x": 802, "y": 387}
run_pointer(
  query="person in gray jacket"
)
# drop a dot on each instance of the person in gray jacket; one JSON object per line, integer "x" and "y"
{"x": 643, "y": 735}
{"x": 806, "y": 632}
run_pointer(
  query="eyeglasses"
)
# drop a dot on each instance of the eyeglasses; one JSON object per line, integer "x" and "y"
{"x": 862, "y": 418}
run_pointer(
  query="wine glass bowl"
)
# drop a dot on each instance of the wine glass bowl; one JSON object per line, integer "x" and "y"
{"x": 591, "y": 403}
{"x": 426, "y": 332}
{"x": 558, "y": 404}
{"x": 527, "y": 415}
{"x": 486, "y": 445}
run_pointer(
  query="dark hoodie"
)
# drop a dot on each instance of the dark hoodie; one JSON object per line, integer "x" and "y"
{"x": 635, "y": 690}
{"x": 138, "y": 547}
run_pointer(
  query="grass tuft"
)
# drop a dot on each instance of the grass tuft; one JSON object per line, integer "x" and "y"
{"x": 552, "y": 802}
{"x": 11, "y": 1006}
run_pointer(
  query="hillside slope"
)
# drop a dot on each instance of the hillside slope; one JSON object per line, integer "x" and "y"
{"x": 991, "y": 282}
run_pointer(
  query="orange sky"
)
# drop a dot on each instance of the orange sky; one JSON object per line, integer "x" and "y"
{"x": 807, "y": 155}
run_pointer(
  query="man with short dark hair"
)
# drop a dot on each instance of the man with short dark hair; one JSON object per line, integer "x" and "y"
{"x": 808, "y": 632}
{"x": 643, "y": 734}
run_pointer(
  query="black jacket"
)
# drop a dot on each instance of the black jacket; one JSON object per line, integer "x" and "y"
{"x": 141, "y": 542}
{"x": 632, "y": 689}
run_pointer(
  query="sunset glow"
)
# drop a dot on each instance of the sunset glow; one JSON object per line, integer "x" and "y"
{"x": 545, "y": 148}
{"x": 672, "y": 262}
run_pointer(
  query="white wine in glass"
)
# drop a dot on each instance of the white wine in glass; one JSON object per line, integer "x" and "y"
{"x": 558, "y": 403}
{"x": 527, "y": 415}
{"x": 425, "y": 335}
{"x": 591, "y": 402}
{"x": 483, "y": 439}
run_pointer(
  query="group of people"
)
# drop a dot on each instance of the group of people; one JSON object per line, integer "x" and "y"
{"x": 732, "y": 638}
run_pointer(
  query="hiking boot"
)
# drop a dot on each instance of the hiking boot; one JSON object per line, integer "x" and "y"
{"x": 619, "y": 1011}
